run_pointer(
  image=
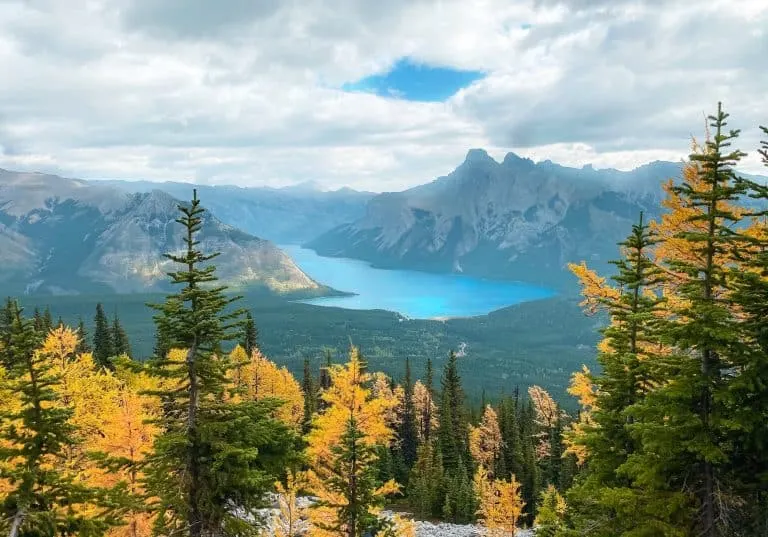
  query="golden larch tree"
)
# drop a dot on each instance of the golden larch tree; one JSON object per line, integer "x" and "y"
{"x": 485, "y": 439}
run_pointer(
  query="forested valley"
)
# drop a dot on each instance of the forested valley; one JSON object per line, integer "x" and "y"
{"x": 211, "y": 438}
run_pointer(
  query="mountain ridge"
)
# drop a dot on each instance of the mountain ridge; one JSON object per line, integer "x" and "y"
{"x": 65, "y": 236}
{"x": 513, "y": 219}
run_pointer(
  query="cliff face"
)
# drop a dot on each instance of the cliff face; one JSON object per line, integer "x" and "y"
{"x": 62, "y": 235}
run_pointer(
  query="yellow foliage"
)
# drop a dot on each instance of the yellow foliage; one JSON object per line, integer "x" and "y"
{"x": 583, "y": 389}
{"x": 426, "y": 410}
{"x": 485, "y": 439}
{"x": 348, "y": 397}
{"x": 290, "y": 519}
{"x": 110, "y": 416}
{"x": 594, "y": 288}
{"x": 500, "y": 503}
{"x": 259, "y": 378}
{"x": 382, "y": 387}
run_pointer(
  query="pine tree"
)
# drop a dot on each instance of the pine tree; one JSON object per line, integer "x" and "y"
{"x": 250, "y": 334}
{"x": 407, "y": 432}
{"x": 208, "y": 464}
{"x": 36, "y": 435}
{"x": 685, "y": 419}
{"x": 103, "y": 342}
{"x": 120, "y": 341}
{"x": 453, "y": 425}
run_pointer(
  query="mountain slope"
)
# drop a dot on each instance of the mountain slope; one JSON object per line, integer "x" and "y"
{"x": 516, "y": 219}
{"x": 62, "y": 235}
{"x": 290, "y": 215}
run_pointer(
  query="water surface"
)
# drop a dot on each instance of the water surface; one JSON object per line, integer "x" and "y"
{"x": 414, "y": 294}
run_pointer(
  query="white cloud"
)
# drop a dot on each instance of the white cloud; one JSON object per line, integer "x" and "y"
{"x": 243, "y": 92}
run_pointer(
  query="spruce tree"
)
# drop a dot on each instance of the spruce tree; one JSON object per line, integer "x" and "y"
{"x": 748, "y": 386}
{"x": 453, "y": 425}
{"x": 425, "y": 492}
{"x": 216, "y": 457}
{"x": 686, "y": 419}
{"x": 47, "y": 320}
{"x": 407, "y": 432}
{"x": 41, "y": 499}
{"x": 427, "y": 417}
{"x": 103, "y": 341}
{"x": 250, "y": 334}
{"x": 82, "y": 333}
{"x": 120, "y": 338}
{"x": 633, "y": 333}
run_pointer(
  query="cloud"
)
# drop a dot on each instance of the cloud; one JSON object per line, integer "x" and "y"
{"x": 249, "y": 92}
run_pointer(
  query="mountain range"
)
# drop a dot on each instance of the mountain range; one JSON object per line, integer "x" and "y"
{"x": 514, "y": 219}
{"x": 288, "y": 215}
{"x": 64, "y": 236}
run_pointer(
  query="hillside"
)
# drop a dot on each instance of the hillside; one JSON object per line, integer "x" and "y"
{"x": 64, "y": 236}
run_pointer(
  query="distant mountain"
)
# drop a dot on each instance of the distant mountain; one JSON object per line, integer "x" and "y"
{"x": 62, "y": 235}
{"x": 289, "y": 215}
{"x": 515, "y": 219}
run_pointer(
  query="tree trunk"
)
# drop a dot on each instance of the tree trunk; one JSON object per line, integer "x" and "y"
{"x": 18, "y": 518}
{"x": 195, "y": 517}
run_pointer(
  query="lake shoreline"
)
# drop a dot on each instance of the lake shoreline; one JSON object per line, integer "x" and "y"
{"x": 411, "y": 294}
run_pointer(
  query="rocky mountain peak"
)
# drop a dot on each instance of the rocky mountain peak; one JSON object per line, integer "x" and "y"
{"x": 478, "y": 156}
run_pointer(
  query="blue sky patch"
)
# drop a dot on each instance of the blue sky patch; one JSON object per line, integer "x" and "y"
{"x": 416, "y": 82}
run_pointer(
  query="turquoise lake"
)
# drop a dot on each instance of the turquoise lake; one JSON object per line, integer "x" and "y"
{"x": 413, "y": 294}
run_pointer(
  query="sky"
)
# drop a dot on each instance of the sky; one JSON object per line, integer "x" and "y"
{"x": 377, "y": 95}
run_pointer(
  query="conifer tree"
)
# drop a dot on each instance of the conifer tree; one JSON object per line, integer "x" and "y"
{"x": 250, "y": 334}
{"x": 216, "y": 457}
{"x": 425, "y": 485}
{"x": 120, "y": 341}
{"x": 407, "y": 432}
{"x": 748, "y": 386}
{"x": 460, "y": 505}
{"x": 630, "y": 341}
{"x": 343, "y": 452}
{"x": 36, "y": 434}
{"x": 485, "y": 440}
{"x": 428, "y": 411}
{"x": 103, "y": 341}
{"x": 310, "y": 396}
{"x": 685, "y": 419}
{"x": 453, "y": 425}
{"x": 325, "y": 376}
{"x": 550, "y": 520}
{"x": 47, "y": 320}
